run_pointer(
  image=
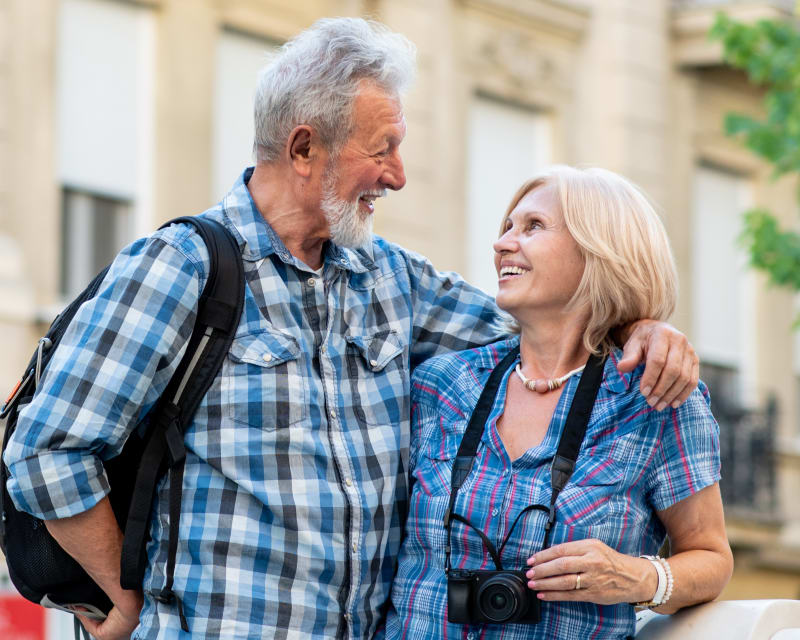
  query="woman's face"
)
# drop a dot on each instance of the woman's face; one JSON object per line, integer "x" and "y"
{"x": 539, "y": 265}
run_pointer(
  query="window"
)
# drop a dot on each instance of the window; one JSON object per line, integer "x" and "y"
{"x": 93, "y": 230}
{"x": 105, "y": 85}
{"x": 239, "y": 60}
{"x": 507, "y": 145}
{"x": 722, "y": 286}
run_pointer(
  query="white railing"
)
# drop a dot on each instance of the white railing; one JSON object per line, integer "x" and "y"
{"x": 725, "y": 620}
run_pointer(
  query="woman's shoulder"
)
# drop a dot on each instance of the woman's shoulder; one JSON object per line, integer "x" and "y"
{"x": 629, "y": 385}
{"x": 621, "y": 408}
{"x": 458, "y": 375}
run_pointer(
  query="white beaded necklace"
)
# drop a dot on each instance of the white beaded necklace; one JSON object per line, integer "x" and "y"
{"x": 543, "y": 385}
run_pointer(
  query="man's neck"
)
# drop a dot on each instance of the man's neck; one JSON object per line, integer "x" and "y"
{"x": 302, "y": 231}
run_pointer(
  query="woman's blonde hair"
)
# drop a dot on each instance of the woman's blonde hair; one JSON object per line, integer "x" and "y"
{"x": 630, "y": 271}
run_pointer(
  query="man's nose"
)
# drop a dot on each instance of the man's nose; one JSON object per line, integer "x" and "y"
{"x": 394, "y": 176}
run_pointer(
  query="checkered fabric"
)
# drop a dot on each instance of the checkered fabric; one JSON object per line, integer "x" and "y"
{"x": 295, "y": 483}
{"x": 633, "y": 461}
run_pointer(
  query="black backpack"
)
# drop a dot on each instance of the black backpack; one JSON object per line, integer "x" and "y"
{"x": 39, "y": 568}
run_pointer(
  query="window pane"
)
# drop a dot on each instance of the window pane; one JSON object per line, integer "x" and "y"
{"x": 718, "y": 266}
{"x": 239, "y": 60}
{"x": 93, "y": 230}
{"x": 102, "y": 78}
{"x": 507, "y": 145}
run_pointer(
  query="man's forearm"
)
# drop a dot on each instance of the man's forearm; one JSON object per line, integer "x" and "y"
{"x": 94, "y": 539}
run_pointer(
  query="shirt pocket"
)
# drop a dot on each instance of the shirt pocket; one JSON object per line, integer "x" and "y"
{"x": 266, "y": 385}
{"x": 584, "y": 507}
{"x": 377, "y": 377}
{"x": 435, "y": 464}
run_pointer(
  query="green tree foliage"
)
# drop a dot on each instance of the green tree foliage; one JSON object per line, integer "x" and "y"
{"x": 769, "y": 53}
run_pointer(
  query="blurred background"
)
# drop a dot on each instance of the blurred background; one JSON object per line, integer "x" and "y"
{"x": 117, "y": 115}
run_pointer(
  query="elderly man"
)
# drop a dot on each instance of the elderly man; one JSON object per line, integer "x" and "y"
{"x": 295, "y": 484}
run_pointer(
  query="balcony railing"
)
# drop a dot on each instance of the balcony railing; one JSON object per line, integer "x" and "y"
{"x": 747, "y": 448}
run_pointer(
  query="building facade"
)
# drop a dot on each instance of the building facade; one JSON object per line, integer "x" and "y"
{"x": 117, "y": 115}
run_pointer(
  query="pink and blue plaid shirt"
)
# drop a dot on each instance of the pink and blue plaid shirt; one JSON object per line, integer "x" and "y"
{"x": 633, "y": 462}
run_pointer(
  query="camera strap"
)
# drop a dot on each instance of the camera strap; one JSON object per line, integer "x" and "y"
{"x": 563, "y": 463}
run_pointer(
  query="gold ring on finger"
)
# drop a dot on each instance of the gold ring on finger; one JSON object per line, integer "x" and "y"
{"x": 577, "y": 581}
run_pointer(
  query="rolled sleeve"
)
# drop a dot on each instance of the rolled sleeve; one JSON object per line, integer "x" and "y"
{"x": 687, "y": 458}
{"x": 113, "y": 362}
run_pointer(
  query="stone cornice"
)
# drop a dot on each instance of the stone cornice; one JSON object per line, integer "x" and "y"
{"x": 567, "y": 18}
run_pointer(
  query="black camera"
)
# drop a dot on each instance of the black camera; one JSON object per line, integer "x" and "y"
{"x": 490, "y": 596}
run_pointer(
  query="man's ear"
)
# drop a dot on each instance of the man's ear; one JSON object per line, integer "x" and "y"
{"x": 301, "y": 149}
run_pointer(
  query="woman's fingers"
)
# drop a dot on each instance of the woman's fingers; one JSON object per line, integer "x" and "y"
{"x": 587, "y": 571}
{"x": 566, "y": 582}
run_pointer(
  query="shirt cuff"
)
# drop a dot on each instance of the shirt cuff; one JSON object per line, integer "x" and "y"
{"x": 57, "y": 484}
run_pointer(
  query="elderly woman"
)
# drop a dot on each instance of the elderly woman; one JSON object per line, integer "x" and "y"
{"x": 580, "y": 253}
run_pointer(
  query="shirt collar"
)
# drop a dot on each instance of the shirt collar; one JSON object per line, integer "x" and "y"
{"x": 259, "y": 239}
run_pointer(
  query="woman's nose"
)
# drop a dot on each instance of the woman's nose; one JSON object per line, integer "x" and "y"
{"x": 504, "y": 243}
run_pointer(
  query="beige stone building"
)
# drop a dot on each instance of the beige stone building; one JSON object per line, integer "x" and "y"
{"x": 116, "y": 115}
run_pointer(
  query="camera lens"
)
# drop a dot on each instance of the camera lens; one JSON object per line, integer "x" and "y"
{"x": 502, "y": 597}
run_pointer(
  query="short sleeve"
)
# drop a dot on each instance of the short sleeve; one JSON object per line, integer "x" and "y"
{"x": 686, "y": 458}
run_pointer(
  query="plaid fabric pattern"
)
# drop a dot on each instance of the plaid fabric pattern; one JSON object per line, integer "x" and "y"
{"x": 295, "y": 484}
{"x": 632, "y": 462}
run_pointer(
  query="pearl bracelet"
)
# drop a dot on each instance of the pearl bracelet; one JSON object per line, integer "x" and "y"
{"x": 665, "y": 583}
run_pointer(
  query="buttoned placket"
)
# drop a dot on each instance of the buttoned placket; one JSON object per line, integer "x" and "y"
{"x": 333, "y": 293}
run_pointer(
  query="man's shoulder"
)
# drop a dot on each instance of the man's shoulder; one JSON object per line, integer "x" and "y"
{"x": 187, "y": 242}
{"x": 392, "y": 256}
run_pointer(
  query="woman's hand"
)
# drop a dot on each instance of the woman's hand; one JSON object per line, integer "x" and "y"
{"x": 672, "y": 367}
{"x": 591, "y": 571}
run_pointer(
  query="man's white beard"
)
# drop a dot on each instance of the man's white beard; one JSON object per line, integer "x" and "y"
{"x": 347, "y": 226}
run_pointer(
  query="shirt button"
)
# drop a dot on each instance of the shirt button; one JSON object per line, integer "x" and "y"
{"x": 333, "y": 413}
{"x": 311, "y": 282}
{"x": 348, "y": 482}
{"x": 343, "y": 260}
{"x": 323, "y": 349}
{"x": 494, "y": 512}
{"x": 267, "y": 357}
{"x": 373, "y": 363}
{"x": 470, "y": 636}
{"x": 355, "y": 547}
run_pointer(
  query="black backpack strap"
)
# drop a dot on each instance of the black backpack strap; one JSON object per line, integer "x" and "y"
{"x": 219, "y": 310}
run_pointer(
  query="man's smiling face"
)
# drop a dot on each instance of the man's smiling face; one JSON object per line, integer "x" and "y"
{"x": 367, "y": 165}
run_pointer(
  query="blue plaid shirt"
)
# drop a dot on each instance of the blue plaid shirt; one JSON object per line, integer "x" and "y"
{"x": 295, "y": 483}
{"x": 633, "y": 461}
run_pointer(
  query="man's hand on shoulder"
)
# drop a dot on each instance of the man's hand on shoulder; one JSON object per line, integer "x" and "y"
{"x": 672, "y": 367}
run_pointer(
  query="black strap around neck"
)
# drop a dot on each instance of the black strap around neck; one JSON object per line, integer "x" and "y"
{"x": 566, "y": 454}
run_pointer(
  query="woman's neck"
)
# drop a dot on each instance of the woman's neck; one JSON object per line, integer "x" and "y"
{"x": 549, "y": 348}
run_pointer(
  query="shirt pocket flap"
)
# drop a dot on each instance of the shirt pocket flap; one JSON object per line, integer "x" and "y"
{"x": 585, "y": 499}
{"x": 265, "y": 348}
{"x": 443, "y": 447}
{"x": 602, "y": 472}
{"x": 378, "y": 349}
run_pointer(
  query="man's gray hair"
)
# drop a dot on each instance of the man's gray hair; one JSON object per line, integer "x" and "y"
{"x": 315, "y": 79}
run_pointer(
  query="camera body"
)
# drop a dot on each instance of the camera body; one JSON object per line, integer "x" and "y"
{"x": 496, "y": 597}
